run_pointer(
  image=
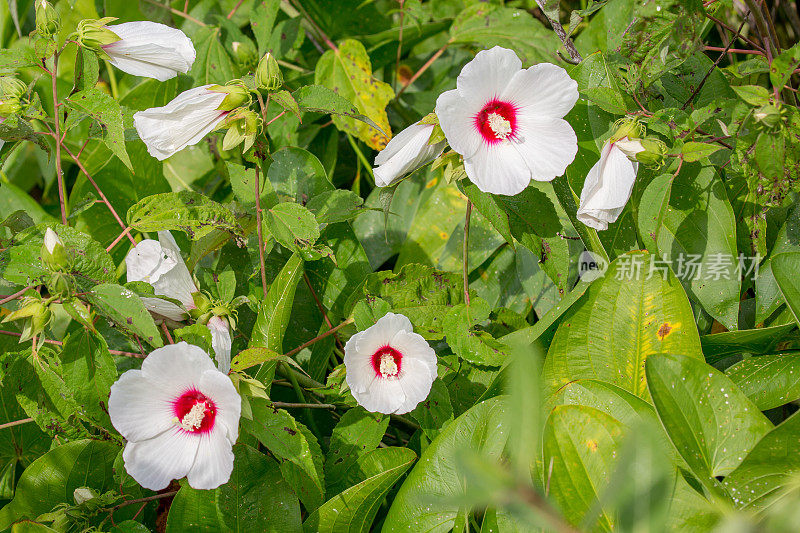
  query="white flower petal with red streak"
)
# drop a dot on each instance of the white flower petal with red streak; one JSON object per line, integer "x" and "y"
{"x": 607, "y": 188}
{"x": 488, "y": 74}
{"x": 219, "y": 387}
{"x": 457, "y": 120}
{"x": 221, "y": 342}
{"x": 150, "y": 49}
{"x": 214, "y": 462}
{"x": 184, "y": 121}
{"x": 555, "y": 94}
{"x": 153, "y": 463}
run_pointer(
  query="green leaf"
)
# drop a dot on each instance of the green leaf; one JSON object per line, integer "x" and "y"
{"x": 334, "y": 206}
{"x": 321, "y": 99}
{"x": 768, "y": 380}
{"x": 490, "y": 206}
{"x": 487, "y": 25}
{"x": 581, "y": 444}
{"x": 244, "y": 187}
{"x": 354, "y": 509}
{"x": 212, "y": 64}
{"x": 599, "y": 85}
{"x": 295, "y": 228}
{"x": 771, "y": 465}
{"x": 252, "y": 357}
{"x": 52, "y": 479}
{"x": 297, "y": 175}
{"x": 87, "y": 69}
{"x": 287, "y": 102}
{"x": 276, "y": 308}
{"x": 187, "y": 211}
{"x": 620, "y": 322}
{"x": 435, "y": 412}
{"x": 295, "y": 448}
{"x": 255, "y": 490}
{"x": 699, "y": 239}
{"x": 126, "y": 310}
{"x": 695, "y": 151}
{"x": 785, "y": 267}
{"x": 754, "y": 341}
{"x": 108, "y": 113}
{"x": 15, "y": 128}
{"x": 427, "y": 499}
{"x": 89, "y": 371}
{"x": 197, "y": 334}
{"x": 709, "y": 420}
{"x": 421, "y": 293}
{"x": 652, "y": 207}
{"x": 262, "y": 21}
{"x": 754, "y": 95}
{"x": 783, "y": 66}
{"x": 357, "y": 433}
{"x": 476, "y": 346}
{"x": 348, "y": 71}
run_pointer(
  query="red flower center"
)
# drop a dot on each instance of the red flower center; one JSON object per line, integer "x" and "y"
{"x": 387, "y": 362}
{"x": 497, "y": 121}
{"x": 195, "y": 411}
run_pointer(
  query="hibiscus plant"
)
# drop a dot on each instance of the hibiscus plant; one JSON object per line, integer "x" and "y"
{"x": 399, "y": 265}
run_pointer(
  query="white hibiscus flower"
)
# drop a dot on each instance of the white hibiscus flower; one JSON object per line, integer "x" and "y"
{"x": 406, "y": 152}
{"x": 507, "y": 122}
{"x": 390, "y": 369}
{"x": 150, "y": 49}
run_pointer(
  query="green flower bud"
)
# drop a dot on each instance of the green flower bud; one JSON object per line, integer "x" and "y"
{"x": 95, "y": 35}
{"x": 54, "y": 255}
{"x": 244, "y": 52}
{"x": 238, "y": 95}
{"x": 627, "y": 127}
{"x": 769, "y": 116}
{"x": 11, "y": 91}
{"x": 243, "y": 126}
{"x": 268, "y": 73}
{"x": 201, "y": 302}
{"x": 33, "y": 315}
{"x": 47, "y": 19}
{"x": 654, "y": 152}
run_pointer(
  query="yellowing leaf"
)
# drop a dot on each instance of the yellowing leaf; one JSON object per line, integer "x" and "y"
{"x": 348, "y": 72}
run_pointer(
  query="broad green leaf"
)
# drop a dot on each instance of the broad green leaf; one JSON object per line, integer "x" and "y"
{"x": 295, "y": 228}
{"x": 276, "y": 308}
{"x": 653, "y": 205}
{"x": 421, "y": 293}
{"x": 357, "y": 433}
{"x": 295, "y": 448}
{"x": 754, "y": 341}
{"x": 244, "y": 186}
{"x": 334, "y": 206}
{"x": 252, "y": 357}
{"x": 623, "y": 319}
{"x": 427, "y": 498}
{"x": 108, "y": 113}
{"x": 785, "y": 267}
{"x": 699, "y": 240}
{"x": 89, "y": 371}
{"x": 262, "y": 21}
{"x": 52, "y": 479}
{"x": 297, "y": 175}
{"x": 754, "y": 95}
{"x": 348, "y": 71}
{"x": 87, "y": 68}
{"x": 197, "y": 334}
{"x": 768, "y": 380}
{"x": 256, "y": 498}
{"x": 476, "y": 346}
{"x": 695, "y": 151}
{"x": 582, "y": 444}
{"x": 187, "y": 211}
{"x": 490, "y": 206}
{"x": 354, "y": 509}
{"x": 597, "y": 82}
{"x": 435, "y": 412}
{"x": 709, "y": 420}
{"x": 321, "y": 99}
{"x": 212, "y": 64}
{"x": 783, "y": 66}
{"x": 14, "y": 128}
{"x": 768, "y": 467}
{"x": 487, "y": 25}
{"x": 125, "y": 310}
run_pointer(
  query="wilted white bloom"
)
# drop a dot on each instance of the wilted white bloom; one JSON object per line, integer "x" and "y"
{"x": 160, "y": 264}
{"x": 150, "y": 49}
{"x": 507, "y": 122}
{"x": 405, "y": 153}
{"x": 609, "y": 183}
{"x": 180, "y": 417}
{"x": 390, "y": 369}
{"x": 184, "y": 121}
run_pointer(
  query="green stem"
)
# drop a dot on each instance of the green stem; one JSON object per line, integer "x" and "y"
{"x": 361, "y": 156}
{"x": 302, "y": 398}
{"x": 112, "y": 80}
{"x": 567, "y": 200}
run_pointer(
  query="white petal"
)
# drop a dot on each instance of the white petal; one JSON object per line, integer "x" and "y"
{"x": 220, "y": 389}
{"x": 214, "y": 462}
{"x": 416, "y": 381}
{"x": 457, "y": 118}
{"x": 607, "y": 188}
{"x": 630, "y": 147}
{"x": 140, "y": 410}
{"x": 150, "y": 49}
{"x": 176, "y": 282}
{"x": 184, "y": 121}
{"x": 221, "y": 342}
{"x": 153, "y": 463}
{"x": 51, "y": 239}
{"x": 385, "y": 395}
{"x": 177, "y": 367}
{"x": 499, "y": 169}
{"x": 381, "y": 333}
{"x": 147, "y": 262}
{"x": 485, "y": 77}
{"x": 548, "y": 146}
{"x": 543, "y": 90}
{"x": 405, "y": 153}
{"x": 164, "y": 308}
